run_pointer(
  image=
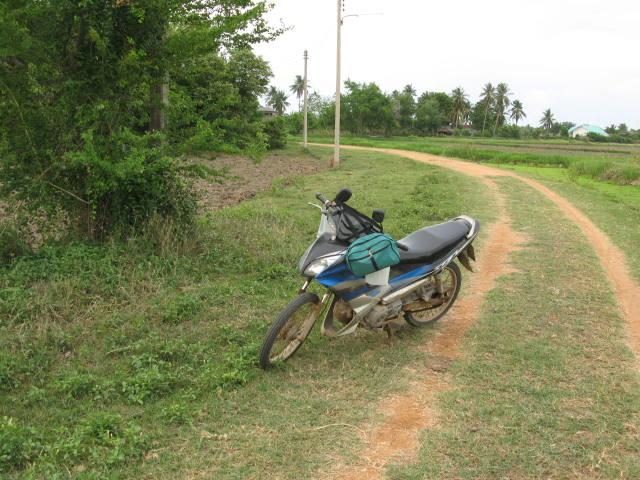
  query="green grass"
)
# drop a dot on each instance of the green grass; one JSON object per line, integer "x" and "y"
{"x": 547, "y": 387}
{"x": 620, "y": 166}
{"x": 139, "y": 359}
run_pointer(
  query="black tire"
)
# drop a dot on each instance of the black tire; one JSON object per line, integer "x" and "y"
{"x": 279, "y": 325}
{"x": 415, "y": 321}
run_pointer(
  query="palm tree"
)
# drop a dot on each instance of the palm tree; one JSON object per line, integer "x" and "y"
{"x": 547, "y": 120}
{"x": 517, "y": 111}
{"x": 297, "y": 88}
{"x": 409, "y": 90}
{"x": 487, "y": 98}
{"x": 460, "y": 106}
{"x": 502, "y": 103}
{"x": 277, "y": 99}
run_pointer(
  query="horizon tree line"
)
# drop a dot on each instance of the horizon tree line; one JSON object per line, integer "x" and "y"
{"x": 367, "y": 109}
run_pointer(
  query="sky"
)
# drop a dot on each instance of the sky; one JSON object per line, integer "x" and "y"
{"x": 581, "y": 58}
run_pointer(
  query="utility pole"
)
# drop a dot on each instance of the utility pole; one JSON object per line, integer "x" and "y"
{"x": 336, "y": 150}
{"x": 306, "y": 106}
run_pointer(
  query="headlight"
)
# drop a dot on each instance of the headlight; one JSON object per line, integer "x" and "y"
{"x": 320, "y": 265}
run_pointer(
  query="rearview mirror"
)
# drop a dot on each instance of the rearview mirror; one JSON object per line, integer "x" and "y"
{"x": 378, "y": 215}
{"x": 343, "y": 195}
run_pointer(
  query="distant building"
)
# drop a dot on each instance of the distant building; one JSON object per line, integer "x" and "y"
{"x": 584, "y": 129}
{"x": 268, "y": 112}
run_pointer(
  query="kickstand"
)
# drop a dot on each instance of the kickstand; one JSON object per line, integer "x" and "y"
{"x": 390, "y": 333}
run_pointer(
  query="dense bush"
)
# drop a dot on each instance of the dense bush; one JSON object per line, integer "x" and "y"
{"x": 509, "y": 131}
{"x": 82, "y": 87}
{"x": 276, "y": 132}
{"x": 596, "y": 137}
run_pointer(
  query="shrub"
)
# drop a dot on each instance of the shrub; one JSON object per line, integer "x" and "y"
{"x": 596, "y": 137}
{"x": 509, "y": 131}
{"x": 295, "y": 122}
{"x": 125, "y": 189}
{"x": 257, "y": 147}
{"x": 276, "y": 131}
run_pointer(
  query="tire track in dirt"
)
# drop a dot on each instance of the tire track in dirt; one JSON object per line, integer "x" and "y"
{"x": 406, "y": 415}
{"x": 612, "y": 260}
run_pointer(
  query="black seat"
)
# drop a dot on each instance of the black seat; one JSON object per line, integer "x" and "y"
{"x": 432, "y": 243}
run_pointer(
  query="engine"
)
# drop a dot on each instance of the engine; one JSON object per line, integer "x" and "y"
{"x": 377, "y": 317}
{"x": 419, "y": 299}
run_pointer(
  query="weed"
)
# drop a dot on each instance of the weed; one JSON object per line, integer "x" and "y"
{"x": 184, "y": 306}
{"x": 176, "y": 414}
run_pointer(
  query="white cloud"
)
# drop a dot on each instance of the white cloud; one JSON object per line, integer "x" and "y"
{"x": 577, "y": 57}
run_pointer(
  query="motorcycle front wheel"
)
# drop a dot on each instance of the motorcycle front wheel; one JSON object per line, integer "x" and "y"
{"x": 451, "y": 281}
{"x": 289, "y": 330}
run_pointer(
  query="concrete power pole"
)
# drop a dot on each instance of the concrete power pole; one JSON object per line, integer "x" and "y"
{"x": 306, "y": 106}
{"x": 336, "y": 150}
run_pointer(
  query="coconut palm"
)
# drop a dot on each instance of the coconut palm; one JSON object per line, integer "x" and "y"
{"x": 502, "y": 102}
{"x": 277, "y": 99}
{"x": 487, "y": 98}
{"x": 409, "y": 90}
{"x": 547, "y": 120}
{"x": 297, "y": 88}
{"x": 459, "y": 107}
{"x": 517, "y": 111}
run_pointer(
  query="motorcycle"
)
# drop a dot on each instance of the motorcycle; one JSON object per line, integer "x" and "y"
{"x": 422, "y": 287}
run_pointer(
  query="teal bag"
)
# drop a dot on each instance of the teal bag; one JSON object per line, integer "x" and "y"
{"x": 371, "y": 253}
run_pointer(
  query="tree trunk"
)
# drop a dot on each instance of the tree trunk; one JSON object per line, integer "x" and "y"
{"x": 159, "y": 94}
{"x": 486, "y": 111}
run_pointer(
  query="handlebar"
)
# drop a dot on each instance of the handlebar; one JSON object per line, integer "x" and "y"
{"x": 322, "y": 198}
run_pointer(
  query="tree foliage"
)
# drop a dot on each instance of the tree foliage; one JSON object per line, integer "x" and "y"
{"x": 366, "y": 109}
{"x": 76, "y": 83}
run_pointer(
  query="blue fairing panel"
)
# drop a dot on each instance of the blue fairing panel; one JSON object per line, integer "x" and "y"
{"x": 336, "y": 275}
{"x": 333, "y": 277}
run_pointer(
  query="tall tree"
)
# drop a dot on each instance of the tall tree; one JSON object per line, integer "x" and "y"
{"x": 297, "y": 88}
{"x": 517, "y": 111}
{"x": 487, "y": 98}
{"x": 502, "y": 102}
{"x": 277, "y": 99}
{"x": 409, "y": 90}
{"x": 460, "y": 106}
{"x": 366, "y": 109}
{"x": 429, "y": 117}
{"x": 404, "y": 106}
{"x": 77, "y": 75}
{"x": 547, "y": 120}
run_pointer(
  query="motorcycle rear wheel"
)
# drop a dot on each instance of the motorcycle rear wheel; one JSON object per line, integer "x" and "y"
{"x": 451, "y": 282}
{"x": 286, "y": 334}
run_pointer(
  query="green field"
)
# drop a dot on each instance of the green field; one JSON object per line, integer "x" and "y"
{"x": 616, "y": 163}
